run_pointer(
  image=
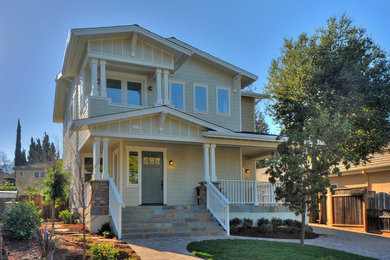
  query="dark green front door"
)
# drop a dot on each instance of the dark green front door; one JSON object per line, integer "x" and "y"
{"x": 152, "y": 177}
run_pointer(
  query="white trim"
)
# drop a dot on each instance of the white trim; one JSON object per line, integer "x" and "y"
{"x": 139, "y": 150}
{"x": 243, "y": 136}
{"x": 115, "y": 175}
{"x": 182, "y": 83}
{"x": 200, "y": 85}
{"x": 229, "y": 101}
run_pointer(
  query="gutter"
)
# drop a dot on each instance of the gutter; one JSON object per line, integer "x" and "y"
{"x": 243, "y": 136}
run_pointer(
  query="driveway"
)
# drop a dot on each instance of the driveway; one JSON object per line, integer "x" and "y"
{"x": 175, "y": 248}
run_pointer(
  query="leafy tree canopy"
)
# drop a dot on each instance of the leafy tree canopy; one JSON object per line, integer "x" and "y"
{"x": 332, "y": 100}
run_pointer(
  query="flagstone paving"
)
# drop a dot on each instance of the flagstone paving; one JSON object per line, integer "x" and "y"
{"x": 175, "y": 248}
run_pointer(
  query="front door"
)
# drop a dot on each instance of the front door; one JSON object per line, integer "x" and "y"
{"x": 152, "y": 177}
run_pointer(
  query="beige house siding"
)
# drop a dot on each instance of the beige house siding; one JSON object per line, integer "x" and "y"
{"x": 248, "y": 114}
{"x": 25, "y": 177}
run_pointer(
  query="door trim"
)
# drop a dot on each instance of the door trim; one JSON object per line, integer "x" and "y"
{"x": 141, "y": 149}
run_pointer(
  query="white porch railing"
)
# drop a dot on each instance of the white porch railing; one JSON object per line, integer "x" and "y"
{"x": 250, "y": 192}
{"x": 115, "y": 207}
{"x": 218, "y": 206}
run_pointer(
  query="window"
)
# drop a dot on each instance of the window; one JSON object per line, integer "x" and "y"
{"x": 223, "y": 101}
{"x": 333, "y": 186}
{"x": 177, "y": 95}
{"x": 133, "y": 93}
{"x": 200, "y": 98}
{"x": 88, "y": 168}
{"x": 21, "y": 173}
{"x": 36, "y": 174}
{"x": 43, "y": 174}
{"x": 133, "y": 167}
{"x": 114, "y": 90}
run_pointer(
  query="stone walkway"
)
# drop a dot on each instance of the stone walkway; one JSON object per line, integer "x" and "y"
{"x": 175, "y": 248}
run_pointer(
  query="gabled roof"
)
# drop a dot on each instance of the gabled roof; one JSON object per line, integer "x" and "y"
{"x": 84, "y": 123}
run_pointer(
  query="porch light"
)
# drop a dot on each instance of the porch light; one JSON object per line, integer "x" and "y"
{"x": 171, "y": 163}
{"x": 247, "y": 171}
{"x": 150, "y": 88}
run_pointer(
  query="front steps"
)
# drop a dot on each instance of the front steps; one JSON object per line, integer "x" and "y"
{"x": 160, "y": 221}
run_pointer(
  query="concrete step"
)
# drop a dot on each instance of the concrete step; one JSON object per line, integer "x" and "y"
{"x": 166, "y": 207}
{"x": 129, "y": 226}
{"x": 162, "y": 211}
{"x": 174, "y": 229}
{"x": 165, "y": 215}
{"x": 156, "y": 234}
{"x": 130, "y": 220}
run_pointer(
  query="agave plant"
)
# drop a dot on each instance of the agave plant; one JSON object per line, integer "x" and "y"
{"x": 45, "y": 243}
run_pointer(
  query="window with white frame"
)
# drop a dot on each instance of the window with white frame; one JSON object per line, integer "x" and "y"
{"x": 43, "y": 174}
{"x": 133, "y": 167}
{"x": 177, "y": 95}
{"x": 223, "y": 101}
{"x": 114, "y": 90}
{"x": 200, "y": 98}
{"x": 36, "y": 174}
{"x": 133, "y": 93}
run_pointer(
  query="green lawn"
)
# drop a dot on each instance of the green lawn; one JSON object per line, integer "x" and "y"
{"x": 260, "y": 249}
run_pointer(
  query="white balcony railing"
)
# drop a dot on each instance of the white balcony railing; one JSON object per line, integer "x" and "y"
{"x": 115, "y": 207}
{"x": 218, "y": 205}
{"x": 250, "y": 192}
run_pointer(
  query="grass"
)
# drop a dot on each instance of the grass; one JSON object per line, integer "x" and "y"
{"x": 260, "y": 249}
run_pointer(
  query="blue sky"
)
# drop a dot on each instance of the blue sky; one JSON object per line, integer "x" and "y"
{"x": 245, "y": 33}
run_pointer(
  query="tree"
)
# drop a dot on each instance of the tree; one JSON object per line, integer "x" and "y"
{"x": 5, "y": 163}
{"x": 260, "y": 124}
{"x": 56, "y": 187}
{"x": 42, "y": 153}
{"x": 332, "y": 100}
{"x": 18, "y": 161}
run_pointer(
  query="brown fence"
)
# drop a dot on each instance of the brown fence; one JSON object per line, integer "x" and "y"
{"x": 46, "y": 209}
{"x": 378, "y": 212}
{"x": 348, "y": 206}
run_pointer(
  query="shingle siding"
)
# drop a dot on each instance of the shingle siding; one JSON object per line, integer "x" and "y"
{"x": 248, "y": 114}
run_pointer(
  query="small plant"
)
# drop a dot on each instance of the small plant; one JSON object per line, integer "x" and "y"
{"x": 21, "y": 219}
{"x": 106, "y": 231}
{"x": 66, "y": 216}
{"x": 265, "y": 228}
{"x": 247, "y": 223}
{"x": 262, "y": 221}
{"x": 288, "y": 222}
{"x": 8, "y": 188}
{"x": 45, "y": 243}
{"x": 103, "y": 251}
{"x": 235, "y": 222}
{"x": 293, "y": 229}
{"x": 308, "y": 230}
{"x": 276, "y": 222}
{"x": 88, "y": 239}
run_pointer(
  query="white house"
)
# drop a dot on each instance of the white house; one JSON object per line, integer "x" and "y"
{"x": 155, "y": 117}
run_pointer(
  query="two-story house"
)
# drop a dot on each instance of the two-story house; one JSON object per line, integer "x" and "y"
{"x": 156, "y": 116}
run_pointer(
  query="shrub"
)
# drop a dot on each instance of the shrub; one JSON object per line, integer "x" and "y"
{"x": 66, "y": 216}
{"x": 262, "y": 221}
{"x": 88, "y": 239}
{"x": 21, "y": 220}
{"x": 296, "y": 223}
{"x": 45, "y": 243}
{"x": 308, "y": 230}
{"x": 265, "y": 228}
{"x": 288, "y": 222}
{"x": 106, "y": 231}
{"x": 276, "y": 222}
{"x": 8, "y": 188}
{"x": 103, "y": 251}
{"x": 293, "y": 229}
{"x": 235, "y": 222}
{"x": 247, "y": 223}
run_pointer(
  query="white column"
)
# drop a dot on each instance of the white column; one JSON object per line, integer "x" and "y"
{"x": 166, "y": 92}
{"x": 94, "y": 72}
{"x": 212, "y": 162}
{"x": 96, "y": 159}
{"x": 103, "y": 89}
{"x": 105, "y": 158}
{"x": 206, "y": 162}
{"x": 158, "y": 87}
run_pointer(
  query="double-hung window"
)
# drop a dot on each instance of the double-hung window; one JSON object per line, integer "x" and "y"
{"x": 124, "y": 92}
{"x": 200, "y": 98}
{"x": 134, "y": 93}
{"x": 177, "y": 95}
{"x": 114, "y": 90}
{"x": 223, "y": 101}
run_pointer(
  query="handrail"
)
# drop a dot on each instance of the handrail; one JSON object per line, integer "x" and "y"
{"x": 218, "y": 205}
{"x": 115, "y": 207}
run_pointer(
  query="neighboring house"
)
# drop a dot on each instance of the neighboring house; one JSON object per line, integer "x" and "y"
{"x": 156, "y": 117}
{"x": 26, "y": 175}
{"x": 2, "y": 176}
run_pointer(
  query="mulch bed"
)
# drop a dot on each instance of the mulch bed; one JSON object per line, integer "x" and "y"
{"x": 279, "y": 232}
{"x": 68, "y": 247}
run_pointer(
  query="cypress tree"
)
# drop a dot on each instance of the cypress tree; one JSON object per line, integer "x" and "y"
{"x": 18, "y": 149}
{"x": 32, "y": 157}
{"x": 46, "y": 148}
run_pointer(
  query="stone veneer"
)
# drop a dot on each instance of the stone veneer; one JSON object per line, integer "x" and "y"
{"x": 98, "y": 212}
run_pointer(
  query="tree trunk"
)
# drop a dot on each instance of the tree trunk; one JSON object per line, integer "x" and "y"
{"x": 303, "y": 225}
{"x": 84, "y": 235}
{"x": 52, "y": 217}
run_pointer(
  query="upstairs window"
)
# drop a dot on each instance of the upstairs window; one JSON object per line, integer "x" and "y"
{"x": 177, "y": 95}
{"x": 134, "y": 93}
{"x": 114, "y": 90}
{"x": 200, "y": 96}
{"x": 223, "y": 101}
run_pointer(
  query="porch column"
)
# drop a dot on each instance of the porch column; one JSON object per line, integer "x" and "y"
{"x": 94, "y": 72}
{"x": 166, "y": 93}
{"x": 206, "y": 161}
{"x": 105, "y": 158}
{"x": 103, "y": 89}
{"x": 158, "y": 87}
{"x": 212, "y": 163}
{"x": 96, "y": 159}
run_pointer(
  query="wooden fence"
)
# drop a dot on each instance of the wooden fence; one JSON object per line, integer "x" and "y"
{"x": 348, "y": 206}
{"x": 378, "y": 212}
{"x": 46, "y": 209}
